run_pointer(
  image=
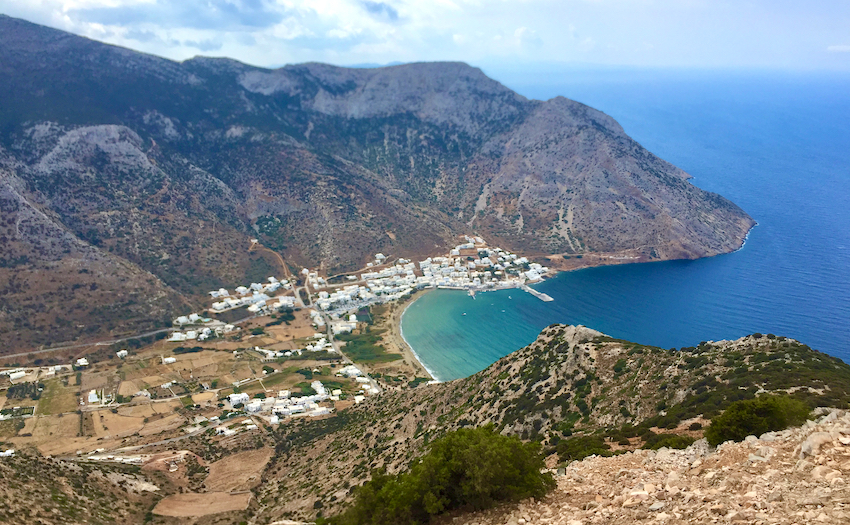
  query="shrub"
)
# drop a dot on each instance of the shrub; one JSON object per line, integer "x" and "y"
{"x": 467, "y": 469}
{"x": 668, "y": 440}
{"x": 580, "y": 447}
{"x": 756, "y": 416}
{"x": 620, "y": 366}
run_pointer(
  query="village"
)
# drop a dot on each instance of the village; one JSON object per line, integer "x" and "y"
{"x": 281, "y": 355}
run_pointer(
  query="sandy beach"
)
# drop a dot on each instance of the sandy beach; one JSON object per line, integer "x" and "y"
{"x": 395, "y": 343}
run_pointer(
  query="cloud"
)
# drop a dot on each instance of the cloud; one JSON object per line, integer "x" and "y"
{"x": 527, "y": 37}
{"x": 204, "y": 45}
{"x": 684, "y": 33}
{"x": 381, "y": 10}
{"x": 142, "y": 36}
{"x": 194, "y": 14}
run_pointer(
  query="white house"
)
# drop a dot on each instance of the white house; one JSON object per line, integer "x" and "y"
{"x": 93, "y": 397}
{"x": 236, "y": 399}
{"x": 350, "y": 371}
{"x": 121, "y": 354}
{"x": 169, "y": 360}
{"x": 82, "y": 362}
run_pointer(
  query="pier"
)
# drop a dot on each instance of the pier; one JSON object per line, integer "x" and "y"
{"x": 540, "y": 295}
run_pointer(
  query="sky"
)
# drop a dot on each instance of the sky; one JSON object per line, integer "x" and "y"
{"x": 739, "y": 34}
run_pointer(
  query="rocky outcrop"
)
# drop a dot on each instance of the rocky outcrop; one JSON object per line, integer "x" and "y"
{"x": 763, "y": 479}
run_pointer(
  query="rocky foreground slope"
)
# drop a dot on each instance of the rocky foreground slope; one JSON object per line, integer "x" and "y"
{"x": 799, "y": 475}
{"x": 165, "y": 170}
{"x": 571, "y": 381}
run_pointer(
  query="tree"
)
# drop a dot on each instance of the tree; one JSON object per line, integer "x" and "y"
{"x": 470, "y": 468}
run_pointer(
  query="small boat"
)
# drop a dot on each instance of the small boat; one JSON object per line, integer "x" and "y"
{"x": 464, "y": 313}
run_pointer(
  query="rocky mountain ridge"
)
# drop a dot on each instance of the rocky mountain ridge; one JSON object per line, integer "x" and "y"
{"x": 571, "y": 381}
{"x": 172, "y": 167}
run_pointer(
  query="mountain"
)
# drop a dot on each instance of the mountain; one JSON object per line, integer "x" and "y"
{"x": 162, "y": 171}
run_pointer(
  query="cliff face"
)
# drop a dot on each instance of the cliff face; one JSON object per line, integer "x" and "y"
{"x": 171, "y": 167}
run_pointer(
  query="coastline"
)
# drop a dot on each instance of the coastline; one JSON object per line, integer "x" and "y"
{"x": 407, "y": 347}
{"x": 396, "y": 332}
{"x": 396, "y": 337}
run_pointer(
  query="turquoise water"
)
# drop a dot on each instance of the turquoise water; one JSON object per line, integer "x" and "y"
{"x": 777, "y": 145}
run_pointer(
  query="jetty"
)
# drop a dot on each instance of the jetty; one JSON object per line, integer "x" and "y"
{"x": 540, "y": 295}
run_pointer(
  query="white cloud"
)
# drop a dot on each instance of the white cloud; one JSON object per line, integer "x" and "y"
{"x": 692, "y": 33}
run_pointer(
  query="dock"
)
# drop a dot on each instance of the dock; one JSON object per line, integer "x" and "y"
{"x": 540, "y": 295}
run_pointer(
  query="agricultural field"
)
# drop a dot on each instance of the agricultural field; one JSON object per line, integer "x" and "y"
{"x": 238, "y": 472}
{"x": 189, "y": 505}
{"x": 57, "y": 398}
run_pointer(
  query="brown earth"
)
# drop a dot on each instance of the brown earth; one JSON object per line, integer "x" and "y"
{"x": 190, "y": 505}
{"x": 241, "y": 471}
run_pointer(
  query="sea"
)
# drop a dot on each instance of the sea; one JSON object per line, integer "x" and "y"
{"x": 775, "y": 143}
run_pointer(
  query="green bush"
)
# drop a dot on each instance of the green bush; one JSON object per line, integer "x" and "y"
{"x": 668, "y": 440}
{"x": 580, "y": 447}
{"x": 756, "y": 416}
{"x": 469, "y": 469}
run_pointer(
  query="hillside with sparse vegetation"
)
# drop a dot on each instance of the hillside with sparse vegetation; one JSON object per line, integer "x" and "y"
{"x": 574, "y": 390}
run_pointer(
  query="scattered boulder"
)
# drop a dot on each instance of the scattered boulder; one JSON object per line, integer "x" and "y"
{"x": 781, "y": 478}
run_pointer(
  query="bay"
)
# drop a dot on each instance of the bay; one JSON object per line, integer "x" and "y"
{"x": 777, "y": 144}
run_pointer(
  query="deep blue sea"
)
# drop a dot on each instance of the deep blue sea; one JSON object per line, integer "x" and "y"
{"x": 777, "y": 144}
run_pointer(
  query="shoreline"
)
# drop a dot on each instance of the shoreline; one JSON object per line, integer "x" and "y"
{"x": 395, "y": 322}
{"x": 397, "y": 332}
{"x": 407, "y": 345}
{"x": 396, "y": 337}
